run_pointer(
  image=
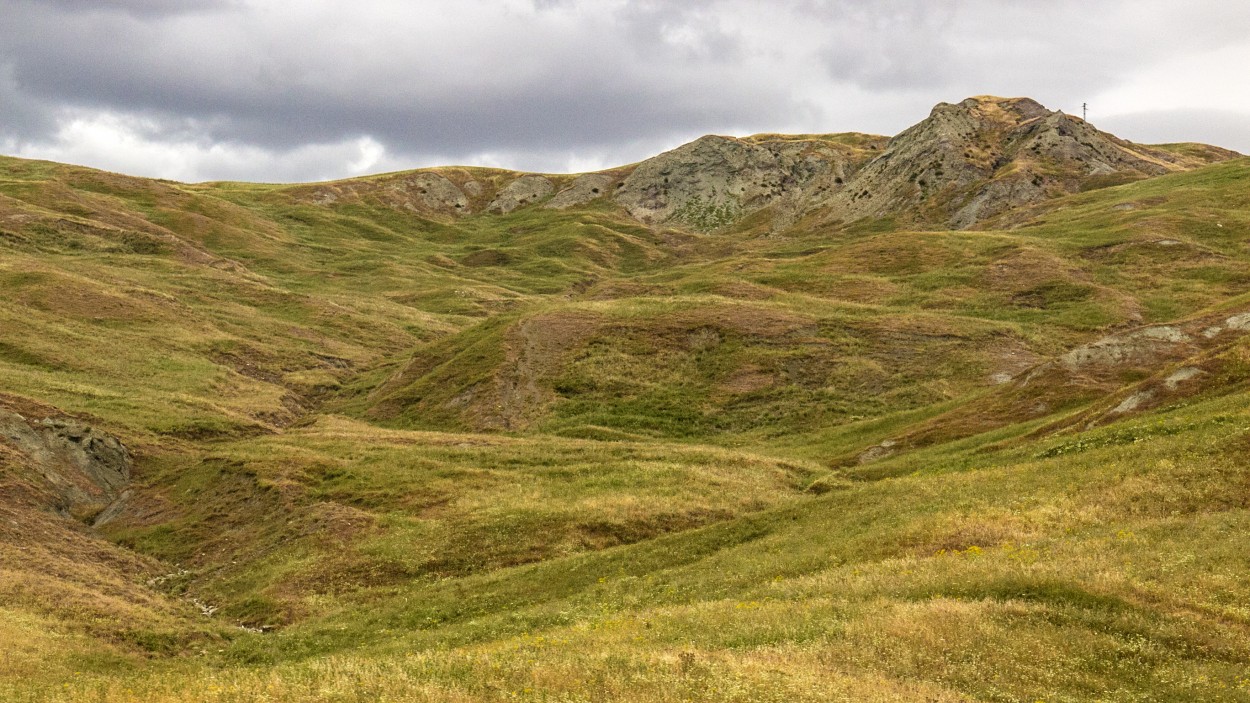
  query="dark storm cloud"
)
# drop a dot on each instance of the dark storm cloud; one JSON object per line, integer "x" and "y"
{"x": 20, "y": 113}
{"x": 273, "y": 88}
{"x": 540, "y": 83}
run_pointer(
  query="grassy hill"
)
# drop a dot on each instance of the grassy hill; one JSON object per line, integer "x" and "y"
{"x": 458, "y": 435}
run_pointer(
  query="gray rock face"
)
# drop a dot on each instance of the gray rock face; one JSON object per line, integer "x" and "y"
{"x": 979, "y": 158}
{"x": 85, "y": 468}
{"x": 995, "y": 197}
{"x": 525, "y": 190}
{"x": 433, "y": 192}
{"x": 713, "y": 181}
{"x": 583, "y": 189}
{"x": 419, "y": 192}
{"x": 930, "y": 156}
{"x": 972, "y": 160}
{"x": 965, "y": 164}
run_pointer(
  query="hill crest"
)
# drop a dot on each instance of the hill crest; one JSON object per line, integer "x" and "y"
{"x": 963, "y": 165}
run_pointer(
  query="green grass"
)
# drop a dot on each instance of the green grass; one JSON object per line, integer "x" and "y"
{"x": 557, "y": 455}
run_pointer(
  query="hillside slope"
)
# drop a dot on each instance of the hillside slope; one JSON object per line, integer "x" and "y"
{"x": 713, "y": 426}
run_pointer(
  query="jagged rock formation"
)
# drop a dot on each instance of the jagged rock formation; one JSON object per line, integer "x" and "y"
{"x": 83, "y": 469}
{"x": 975, "y": 159}
{"x": 714, "y": 181}
{"x": 964, "y": 164}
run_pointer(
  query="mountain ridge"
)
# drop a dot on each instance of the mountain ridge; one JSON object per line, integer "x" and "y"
{"x": 965, "y": 163}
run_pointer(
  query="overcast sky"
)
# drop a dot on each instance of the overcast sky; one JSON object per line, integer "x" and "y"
{"x": 292, "y": 90}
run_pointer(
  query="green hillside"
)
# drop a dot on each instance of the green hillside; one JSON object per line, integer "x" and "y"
{"x": 456, "y": 435}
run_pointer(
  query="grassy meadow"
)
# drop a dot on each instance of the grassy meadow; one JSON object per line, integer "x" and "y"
{"x": 557, "y": 455}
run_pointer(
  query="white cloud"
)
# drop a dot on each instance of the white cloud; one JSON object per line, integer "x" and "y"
{"x": 1230, "y": 130}
{"x": 135, "y": 145}
{"x": 1209, "y": 80}
{"x": 1201, "y": 97}
{"x": 307, "y": 89}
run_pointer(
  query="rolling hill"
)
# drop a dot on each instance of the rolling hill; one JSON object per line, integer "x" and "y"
{"x": 958, "y": 415}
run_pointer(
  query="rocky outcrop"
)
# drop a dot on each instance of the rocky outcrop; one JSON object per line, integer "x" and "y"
{"x": 434, "y": 192}
{"x": 1127, "y": 372}
{"x": 714, "y": 181}
{"x": 966, "y": 163}
{"x": 1142, "y": 346}
{"x": 418, "y": 192}
{"x": 975, "y": 159}
{"x": 86, "y": 470}
{"x": 583, "y": 189}
{"x": 525, "y": 190}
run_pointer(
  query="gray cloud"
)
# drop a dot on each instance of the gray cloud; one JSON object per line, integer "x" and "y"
{"x": 20, "y": 113}
{"x": 250, "y": 77}
{"x": 1061, "y": 48}
{"x": 1227, "y": 129}
{"x": 148, "y": 8}
{"x": 538, "y": 84}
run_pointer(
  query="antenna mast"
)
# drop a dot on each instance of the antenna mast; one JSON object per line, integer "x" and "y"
{"x": 1085, "y": 112}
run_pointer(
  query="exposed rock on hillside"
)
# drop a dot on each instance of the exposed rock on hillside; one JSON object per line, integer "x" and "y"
{"x": 433, "y": 191}
{"x": 975, "y": 159}
{"x": 1174, "y": 361}
{"x": 713, "y": 181}
{"x": 583, "y": 189}
{"x": 966, "y": 163}
{"x": 85, "y": 469}
{"x": 525, "y": 190}
{"x": 418, "y": 192}
{"x": 1139, "y": 346}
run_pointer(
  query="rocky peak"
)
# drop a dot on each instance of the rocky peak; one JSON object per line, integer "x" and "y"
{"x": 991, "y": 109}
{"x": 974, "y": 159}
